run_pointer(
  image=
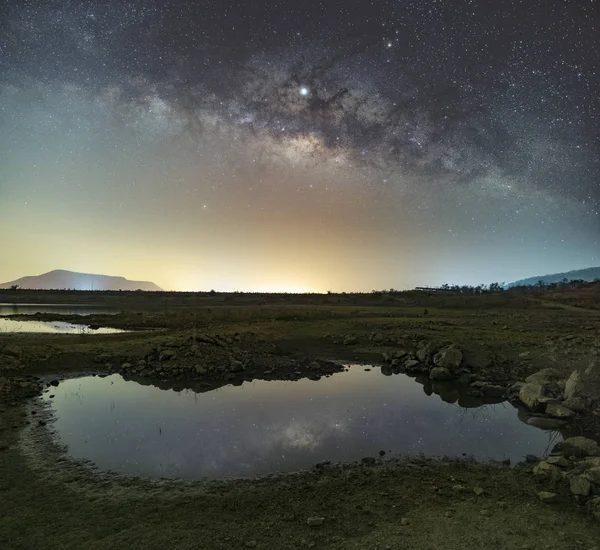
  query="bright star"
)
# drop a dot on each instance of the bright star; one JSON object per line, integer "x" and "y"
{"x": 304, "y": 91}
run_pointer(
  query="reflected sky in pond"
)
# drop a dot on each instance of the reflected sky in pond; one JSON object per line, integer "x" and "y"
{"x": 62, "y": 309}
{"x": 51, "y": 327}
{"x": 263, "y": 427}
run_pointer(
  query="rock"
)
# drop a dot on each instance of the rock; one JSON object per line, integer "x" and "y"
{"x": 53, "y": 383}
{"x": 478, "y": 491}
{"x": 404, "y": 522}
{"x": 368, "y": 461}
{"x": 102, "y": 358}
{"x": 412, "y": 364}
{"x": 593, "y": 474}
{"x": 237, "y": 366}
{"x": 440, "y": 373}
{"x": 251, "y": 544}
{"x": 450, "y": 358}
{"x": 580, "y": 486}
{"x": 547, "y": 498}
{"x": 549, "y": 471}
{"x": 572, "y": 385}
{"x": 167, "y": 355}
{"x": 532, "y": 395}
{"x": 545, "y": 423}
{"x": 559, "y": 411}
{"x": 199, "y": 369}
{"x": 492, "y": 390}
{"x": 577, "y": 404}
{"x": 559, "y": 461}
{"x": 315, "y": 521}
{"x": 513, "y": 391}
{"x": 543, "y": 376}
{"x": 350, "y": 340}
{"x": 525, "y": 354}
{"x": 427, "y": 350}
{"x": 126, "y": 366}
{"x": 459, "y": 488}
{"x": 531, "y": 459}
{"x": 579, "y": 447}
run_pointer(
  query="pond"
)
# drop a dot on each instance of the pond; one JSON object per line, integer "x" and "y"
{"x": 62, "y": 309}
{"x": 51, "y": 327}
{"x": 263, "y": 427}
{"x": 58, "y": 327}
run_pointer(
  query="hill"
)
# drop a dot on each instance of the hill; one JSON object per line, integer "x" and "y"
{"x": 61, "y": 279}
{"x": 589, "y": 274}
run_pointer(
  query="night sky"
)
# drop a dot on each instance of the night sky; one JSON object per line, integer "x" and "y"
{"x": 299, "y": 145}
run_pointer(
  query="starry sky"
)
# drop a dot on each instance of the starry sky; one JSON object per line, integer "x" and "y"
{"x": 299, "y": 146}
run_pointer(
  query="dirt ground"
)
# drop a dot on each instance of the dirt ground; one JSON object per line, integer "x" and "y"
{"x": 48, "y": 501}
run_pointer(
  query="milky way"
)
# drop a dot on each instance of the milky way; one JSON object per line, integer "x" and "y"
{"x": 300, "y": 145}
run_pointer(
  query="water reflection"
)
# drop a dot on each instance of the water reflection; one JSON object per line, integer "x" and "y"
{"x": 61, "y": 309}
{"x": 53, "y": 327}
{"x": 262, "y": 427}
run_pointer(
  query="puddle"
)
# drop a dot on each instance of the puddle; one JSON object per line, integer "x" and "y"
{"x": 52, "y": 327}
{"x": 62, "y": 309}
{"x": 58, "y": 327}
{"x": 264, "y": 427}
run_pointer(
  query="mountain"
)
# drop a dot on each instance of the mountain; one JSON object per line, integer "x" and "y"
{"x": 589, "y": 274}
{"x": 61, "y": 279}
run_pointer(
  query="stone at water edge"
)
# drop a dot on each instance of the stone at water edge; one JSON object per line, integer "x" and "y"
{"x": 559, "y": 411}
{"x": 543, "y": 376}
{"x": 560, "y": 461}
{"x": 532, "y": 395}
{"x": 580, "y": 486}
{"x": 440, "y": 373}
{"x": 579, "y": 447}
{"x": 450, "y": 358}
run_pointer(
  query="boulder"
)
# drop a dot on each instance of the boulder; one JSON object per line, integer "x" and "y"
{"x": 545, "y": 423}
{"x": 427, "y": 350}
{"x": 412, "y": 365}
{"x": 559, "y": 411}
{"x": 580, "y": 486}
{"x": 543, "y": 376}
{"x": 547, "y": 471}
{"x": 315, "y": 521}
{"x": 533, "y": 395}
{"x": 450, "y": 358}
{"x": 579, "y": 447}
{"x": 560, "y": 461}
{"x": 593, "y": 474}
{"x": 440, "y": 373}
{"x": 350, "y": 340}
{"x": 236, "y": 366}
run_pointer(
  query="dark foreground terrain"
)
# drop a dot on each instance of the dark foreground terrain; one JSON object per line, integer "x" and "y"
{"x": 490, "y": 344}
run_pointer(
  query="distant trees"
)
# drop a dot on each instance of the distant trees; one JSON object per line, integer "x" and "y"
{"x": 14, "y": 287}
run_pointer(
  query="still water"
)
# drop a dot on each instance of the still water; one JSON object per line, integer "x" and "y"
{"x": 62, "y": 309}
{"x": 264, "y": 427}
{"x": 56, "y": 327}
{"x": 51, "y": 327}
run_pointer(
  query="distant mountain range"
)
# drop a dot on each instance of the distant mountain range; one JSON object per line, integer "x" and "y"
{"x": 589, "y": 274}
{"x": 61, "y": 279}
